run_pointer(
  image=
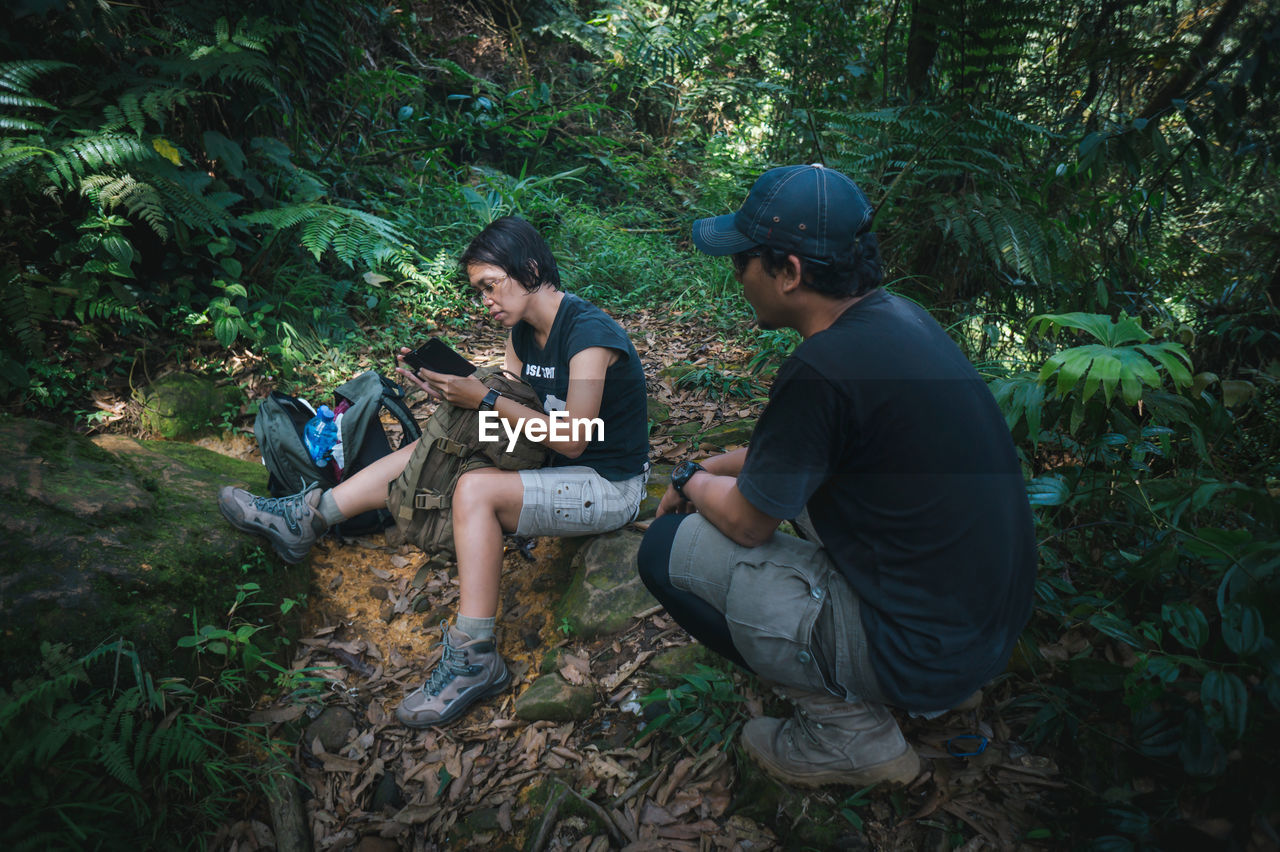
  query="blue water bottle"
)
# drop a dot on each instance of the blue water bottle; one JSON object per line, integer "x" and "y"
{"x": 321, "y": 433}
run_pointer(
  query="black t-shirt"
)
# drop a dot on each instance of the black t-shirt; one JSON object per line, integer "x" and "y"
{"x": 624, "y": 409}
{"x": 884, "y": 430}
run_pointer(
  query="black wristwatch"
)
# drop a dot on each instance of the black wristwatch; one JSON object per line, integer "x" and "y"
{"x": 490, "y": 400}
{"x": 682, "y": 474}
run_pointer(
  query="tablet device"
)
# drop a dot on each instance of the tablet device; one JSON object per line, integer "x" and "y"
{"x": 438, "y": 357}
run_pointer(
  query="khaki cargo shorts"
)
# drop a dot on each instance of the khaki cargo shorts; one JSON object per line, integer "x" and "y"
{"x": 792, "y": 616}
{"x": 575, "y": 500}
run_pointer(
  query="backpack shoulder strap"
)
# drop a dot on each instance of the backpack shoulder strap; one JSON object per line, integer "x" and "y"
{"x": 393, "y": 401}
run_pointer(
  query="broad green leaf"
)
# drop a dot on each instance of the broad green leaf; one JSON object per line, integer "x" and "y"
{"x": 1226, "y": 701}
{"x": 1186, "y": 623}
{"x": 1242, "y": 628}
{"x": 1047, "y": 489}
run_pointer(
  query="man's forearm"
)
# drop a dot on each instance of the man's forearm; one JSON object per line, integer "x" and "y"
{"x": 718, "y": 499}
{"x": 726, "y": 464}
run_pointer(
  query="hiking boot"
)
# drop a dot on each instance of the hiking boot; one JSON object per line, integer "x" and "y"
{"x": 291, "y": 523}
{"x": 468, "y": 670}
{"x": 831, "y": 741}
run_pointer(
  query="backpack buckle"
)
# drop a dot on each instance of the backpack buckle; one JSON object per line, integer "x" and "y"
{"x": 430, "y": 500}
{"x": 447, "y": 445}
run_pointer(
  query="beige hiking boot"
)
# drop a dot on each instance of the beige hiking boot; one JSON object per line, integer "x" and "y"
{"x": 831, "y": 741}
{"x": 292, "y": 524}
{"x": 468, "y": 670}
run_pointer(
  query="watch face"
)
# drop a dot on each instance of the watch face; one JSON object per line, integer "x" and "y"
{"x": 683, "y": 472}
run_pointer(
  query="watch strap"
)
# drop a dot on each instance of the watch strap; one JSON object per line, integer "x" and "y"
{"x": 490, "y": 400}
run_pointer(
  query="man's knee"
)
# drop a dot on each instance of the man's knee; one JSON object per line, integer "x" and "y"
{"x": 654, "y": 557}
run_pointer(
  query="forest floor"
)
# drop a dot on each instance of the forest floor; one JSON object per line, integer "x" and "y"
{"x": 492, "y": 782}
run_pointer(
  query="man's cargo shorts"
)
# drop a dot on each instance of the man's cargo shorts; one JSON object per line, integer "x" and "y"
{"x": 791, "y": 615}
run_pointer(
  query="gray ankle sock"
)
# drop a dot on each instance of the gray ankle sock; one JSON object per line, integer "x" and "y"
{"x": 476, "y": 628}
{"x": 328, "y": 509}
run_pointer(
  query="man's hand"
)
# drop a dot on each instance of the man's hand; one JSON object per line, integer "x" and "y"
{"x": 673, "y": 504}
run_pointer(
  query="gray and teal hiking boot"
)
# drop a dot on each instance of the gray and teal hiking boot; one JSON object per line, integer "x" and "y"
{"x": 291, "y": 523}
{"x": 469, "y": 669}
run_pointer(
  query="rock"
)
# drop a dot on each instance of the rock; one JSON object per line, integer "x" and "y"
{"x": 333, "y": 727}
{"x": 554, "y": 699}
{"x": 387, "y": 794}
{"x": 683, "y": 659}
{"x": 181, "y": 405}
{"x": 732, "y": 433}
{"x": 606, "y": 590}
{"x": 659, "y": 412}
{"x": 116, "y": 537}
{"x": 682, "y": 430}
{"x": 659, "y": 479}
{"x": 676, "y": 372}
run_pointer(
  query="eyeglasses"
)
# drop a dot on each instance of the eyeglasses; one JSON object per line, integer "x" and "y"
{"x": 485, "y": 287}
{"x": 743, "y": 258}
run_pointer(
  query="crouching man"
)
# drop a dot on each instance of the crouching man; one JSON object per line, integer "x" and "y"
{"x": 885, "y": 447}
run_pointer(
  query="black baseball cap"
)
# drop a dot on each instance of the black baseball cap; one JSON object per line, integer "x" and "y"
{"x": 811, "y": 211}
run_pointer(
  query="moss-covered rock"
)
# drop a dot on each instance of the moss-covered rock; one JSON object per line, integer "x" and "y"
{"x": 659, "y": 479}
{"x": 606, "y": 590}
{"x": 181, "y": 405}
{"x": 731, "y": 433}
{"x": 552, "y": 698}
{"x": 682, "y": 659}
{"x": 117, "y": 537}
{"x": 682, "y": 430}
{"x": 659, "y": 412}
{"x": 676, "y": 372}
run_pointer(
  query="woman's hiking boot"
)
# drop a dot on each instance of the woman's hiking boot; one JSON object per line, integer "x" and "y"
{"x": 831, "y": 741}
{"x": 468, "y": 670}
{"x": 291, "y": 523}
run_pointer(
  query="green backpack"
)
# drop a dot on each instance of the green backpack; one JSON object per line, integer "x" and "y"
{"x": 278, "y": 429}
{"x": 420, "y": 499}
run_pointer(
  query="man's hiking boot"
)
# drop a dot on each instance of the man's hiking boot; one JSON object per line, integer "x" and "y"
{"x": 468, "y": 670}
{"x": 291, "y": 523}
{"x": 831, "y": 741}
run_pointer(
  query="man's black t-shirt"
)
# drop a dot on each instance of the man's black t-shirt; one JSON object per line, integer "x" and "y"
{"x": 884, "y": 430}
{"x": 580, "y": 325}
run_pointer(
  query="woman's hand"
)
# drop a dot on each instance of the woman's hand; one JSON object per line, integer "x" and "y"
{"x": 462, "y": 391}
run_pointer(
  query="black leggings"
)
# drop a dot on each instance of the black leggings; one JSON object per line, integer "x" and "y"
{"x": 703, "y": 621}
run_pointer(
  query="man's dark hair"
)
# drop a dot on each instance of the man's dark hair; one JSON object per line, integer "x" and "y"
{"x": 850, "y": 273}
{"x": 515, "y": 247}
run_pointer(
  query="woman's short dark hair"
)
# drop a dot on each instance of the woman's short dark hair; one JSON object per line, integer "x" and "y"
{"x": 850, "y": 273}
{"x": 515, "y": 247}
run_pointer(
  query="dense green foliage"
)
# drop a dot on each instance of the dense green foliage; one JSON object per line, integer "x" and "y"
{"x": 1085, "y": 193}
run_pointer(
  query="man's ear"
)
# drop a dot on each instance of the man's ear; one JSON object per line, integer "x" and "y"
{"x": 790, "y": 274}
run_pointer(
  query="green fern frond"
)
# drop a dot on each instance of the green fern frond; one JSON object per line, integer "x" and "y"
{"x": 18, "y": 76}
{"x": 8, "y": 122}
{"x": 354, "y": 236}
{"x": 8, "y": 100}
{"x": 138, "y": 198}
{"x": 79, "y": 157}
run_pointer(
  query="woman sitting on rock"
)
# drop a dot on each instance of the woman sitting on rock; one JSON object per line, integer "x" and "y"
{"x": 579, "y": 361}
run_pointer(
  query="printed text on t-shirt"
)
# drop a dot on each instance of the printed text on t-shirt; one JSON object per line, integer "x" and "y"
{"x": 539, "y": 372}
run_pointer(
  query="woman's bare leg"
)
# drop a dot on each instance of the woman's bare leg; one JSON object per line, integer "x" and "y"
{"x": 486, "y": 503}
{"x": 367, "y": 488}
